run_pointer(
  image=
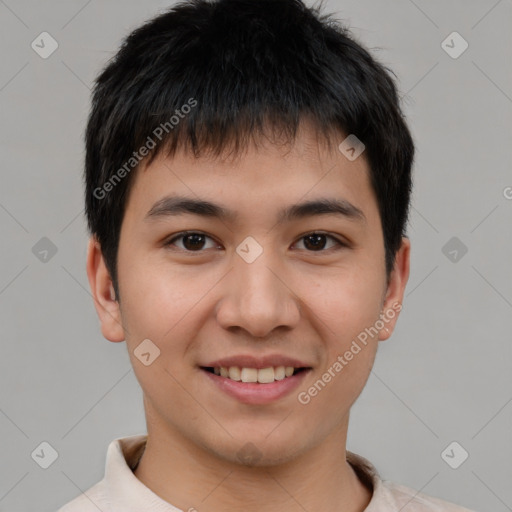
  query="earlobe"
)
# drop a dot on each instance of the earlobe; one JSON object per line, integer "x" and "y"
{"x": 103, "y": 293}
{"x": 395, "y": 290}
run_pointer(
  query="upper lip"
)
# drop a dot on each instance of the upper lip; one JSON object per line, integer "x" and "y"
{"x": 249, "y": 361}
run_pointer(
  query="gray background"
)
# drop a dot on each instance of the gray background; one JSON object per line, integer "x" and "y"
{"x": 446, "y": 373}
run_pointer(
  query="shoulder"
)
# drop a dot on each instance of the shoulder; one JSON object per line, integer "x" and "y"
{"x": 92, "y": 500}
{"x": 390, "y": 496}
{"x": 414, "y": 501}
{"x": 119, "y": 486}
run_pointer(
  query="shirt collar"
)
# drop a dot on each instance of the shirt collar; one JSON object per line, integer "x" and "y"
{"x": 126, "y": 493}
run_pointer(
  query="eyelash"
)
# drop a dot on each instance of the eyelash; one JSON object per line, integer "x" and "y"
{"x": 340, "y": 244}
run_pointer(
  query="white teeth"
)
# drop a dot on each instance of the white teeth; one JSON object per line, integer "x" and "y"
{"x": 249, "y": 375}
{"x": 266, "y": 375}
{"x": 279, "y": 373}
{"x": 262, "y": 375}
{"x": 234, "y": 373}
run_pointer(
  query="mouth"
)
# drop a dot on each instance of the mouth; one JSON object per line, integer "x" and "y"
{"x": 255, "y": 386}
{"x": 259, "y": 375}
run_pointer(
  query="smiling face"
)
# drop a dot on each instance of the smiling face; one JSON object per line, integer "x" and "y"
{"x": 261, "y": 275}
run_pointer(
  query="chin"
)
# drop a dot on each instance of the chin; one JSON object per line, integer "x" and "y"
{"x": 259, "y": 451}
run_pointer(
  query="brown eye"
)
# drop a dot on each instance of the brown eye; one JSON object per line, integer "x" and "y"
{"x": 191, "y": 241}
{"x": 316, "y": 242}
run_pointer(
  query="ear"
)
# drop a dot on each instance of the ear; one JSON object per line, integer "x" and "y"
{"x": 102, "y": 291}
{"x": 395, "y": 290}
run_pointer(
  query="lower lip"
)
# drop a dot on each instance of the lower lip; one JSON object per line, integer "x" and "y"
{"x": 254, "y": 393}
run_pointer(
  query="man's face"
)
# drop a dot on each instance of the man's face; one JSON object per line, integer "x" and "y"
{"x": 257, "y": 285}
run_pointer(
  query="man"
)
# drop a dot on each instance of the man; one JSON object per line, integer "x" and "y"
{"x": 248, "y": 176}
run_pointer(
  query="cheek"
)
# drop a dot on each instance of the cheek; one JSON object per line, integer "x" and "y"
{"x": 348, "y": 311}
{"x": 169, "y": 308}
{"x": 156, "y": 297}
{"x": 347, "y": 300}
{"x": 158, "y": 304}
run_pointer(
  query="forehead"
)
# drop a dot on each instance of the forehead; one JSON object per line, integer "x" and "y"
{"x": 263, "y": 174}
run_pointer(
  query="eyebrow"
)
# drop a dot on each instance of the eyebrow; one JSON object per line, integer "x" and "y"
{"x": 180, "y": 205}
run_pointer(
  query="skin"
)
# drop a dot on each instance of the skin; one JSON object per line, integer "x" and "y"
{"x": 208, "y": 303}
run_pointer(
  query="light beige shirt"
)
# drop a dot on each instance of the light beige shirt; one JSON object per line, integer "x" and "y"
{"x": 121, "y": 491}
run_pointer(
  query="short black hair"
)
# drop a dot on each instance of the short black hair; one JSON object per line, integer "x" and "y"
{"x": 209, "y": 75}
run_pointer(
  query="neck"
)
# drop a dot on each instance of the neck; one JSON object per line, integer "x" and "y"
{"x": 189, "y": 477}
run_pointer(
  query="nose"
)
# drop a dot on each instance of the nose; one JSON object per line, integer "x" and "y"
{"x": 258, "y": 297}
